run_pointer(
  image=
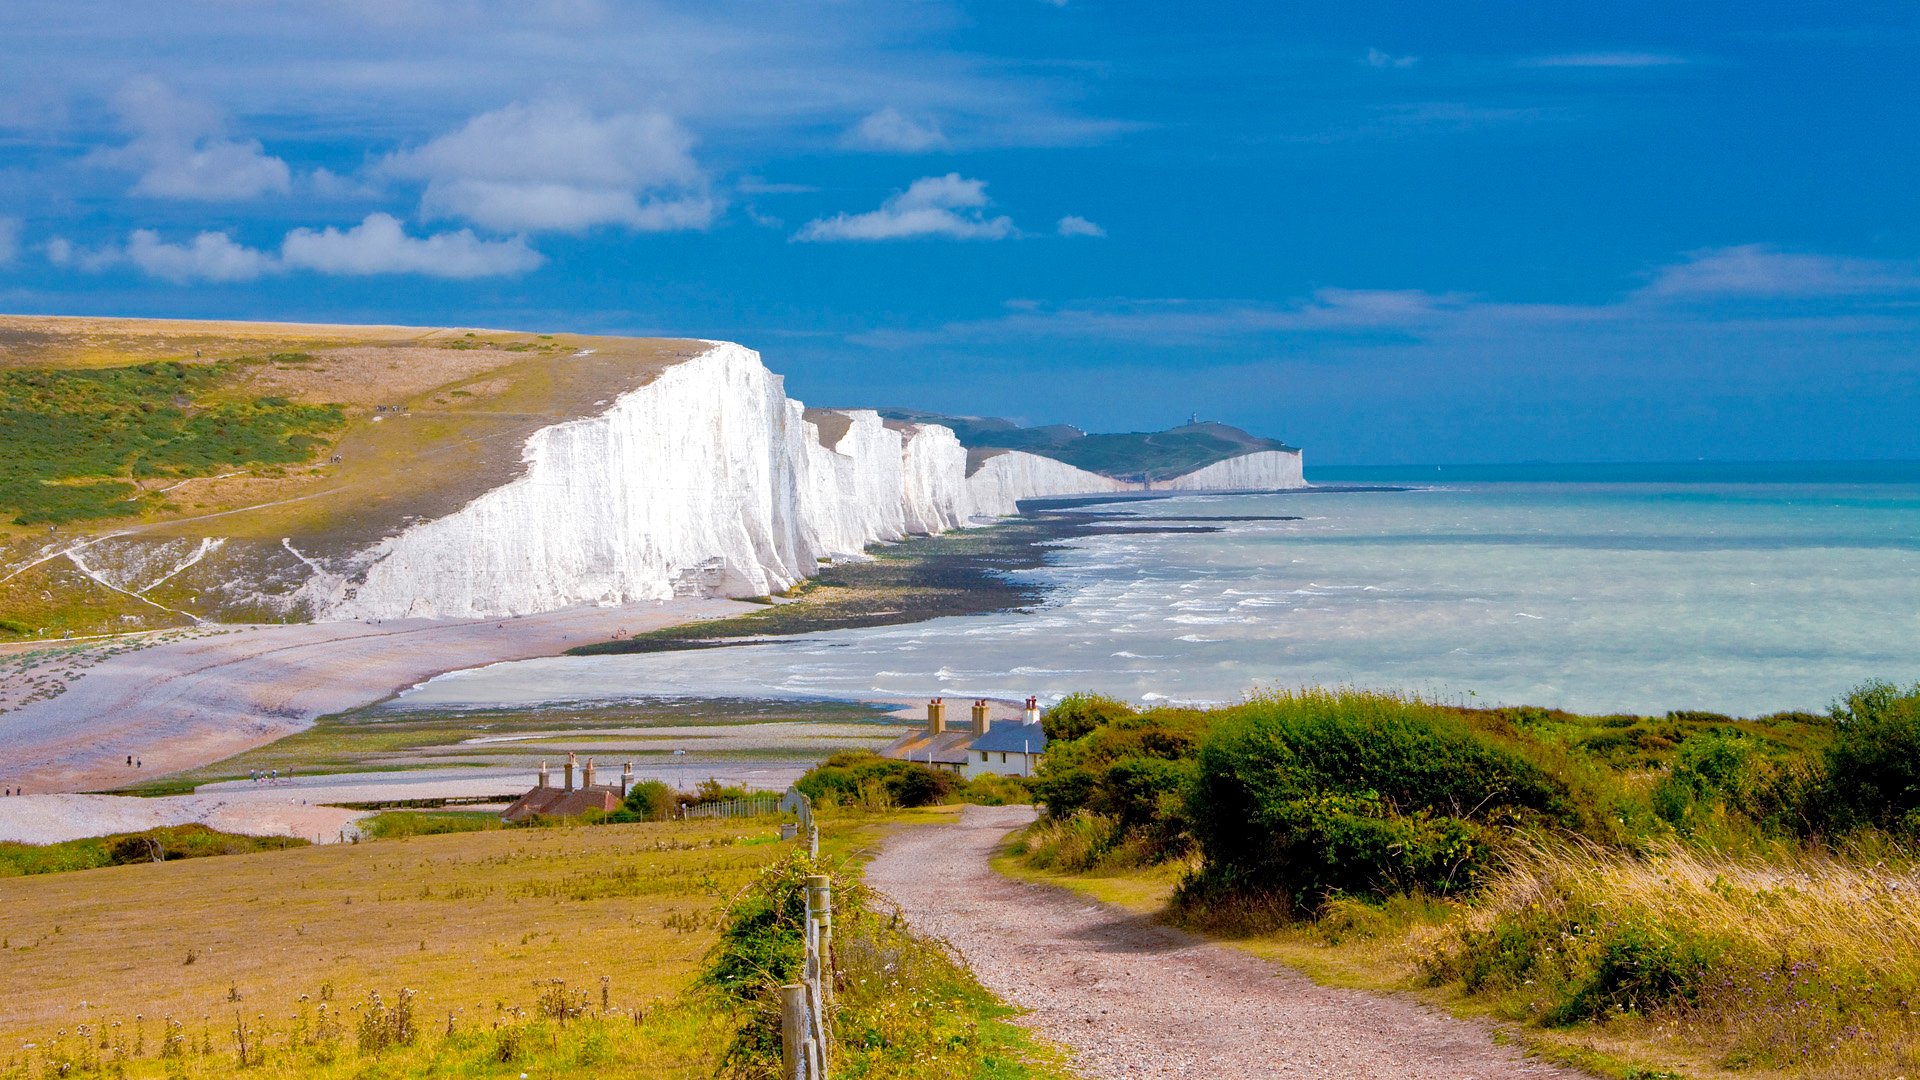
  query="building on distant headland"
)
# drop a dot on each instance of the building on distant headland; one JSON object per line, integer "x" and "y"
{"x": 545, "y": 800}
{"x": 1008, "y": 748}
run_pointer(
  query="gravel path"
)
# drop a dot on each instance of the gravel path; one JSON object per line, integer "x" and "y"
{"x": 1137, "y": 999}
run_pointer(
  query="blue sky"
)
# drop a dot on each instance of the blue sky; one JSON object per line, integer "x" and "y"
{"x": 1387, "y": 232}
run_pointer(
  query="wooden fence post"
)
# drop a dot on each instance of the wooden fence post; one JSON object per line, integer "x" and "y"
{"x": 795, "y": 1060}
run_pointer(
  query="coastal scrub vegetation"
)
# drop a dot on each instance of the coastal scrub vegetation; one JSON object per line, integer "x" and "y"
{"x": 867, "y": 781}
{"x": 73, "y": 443}
{"x": 164, "y": 844}
{"x": 1683, "y": 885}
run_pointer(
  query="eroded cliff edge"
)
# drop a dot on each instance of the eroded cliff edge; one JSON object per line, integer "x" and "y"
{"x": 708, "y": 480}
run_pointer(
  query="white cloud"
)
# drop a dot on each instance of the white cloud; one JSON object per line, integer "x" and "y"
{"x": 1075, "y": 225}
{"x": 1762, "y": 270}
{"x": 9, "y": 240}
{"x": 552, "y": 166}
{"x": 1380, "y": 59}
{"x": 210, "y": 256}
{"x": 1605, "y": 60}
{"x": 951, "y": 206}
{"x": 181, "y": 150}
{"x": 64, "y": 253}
{"x": 890, "y": 129}
{"x": 380, "y": 245}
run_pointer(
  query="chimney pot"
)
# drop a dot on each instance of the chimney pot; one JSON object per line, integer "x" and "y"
{"x": 570, "y": 764}
{"x": 586, "y": 779}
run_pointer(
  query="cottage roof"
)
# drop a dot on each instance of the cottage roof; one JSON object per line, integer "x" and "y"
{"x": 559, "y": 802}
{"x": 947, "y": 748}
{"x": 1012, "y": 739}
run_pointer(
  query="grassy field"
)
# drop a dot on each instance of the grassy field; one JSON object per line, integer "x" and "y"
{"x": 482, "y": 954}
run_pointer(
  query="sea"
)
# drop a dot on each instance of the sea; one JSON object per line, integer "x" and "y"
{"x": 1743, "y": 589}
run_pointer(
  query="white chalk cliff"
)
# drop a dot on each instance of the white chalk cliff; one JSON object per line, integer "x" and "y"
{"x": 1004, "y": 479}
{"x": 1264, "y": 470}
{"x": 708, "y": 479}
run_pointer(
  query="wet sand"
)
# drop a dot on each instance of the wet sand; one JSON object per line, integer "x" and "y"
{"x": 190, "y": 702}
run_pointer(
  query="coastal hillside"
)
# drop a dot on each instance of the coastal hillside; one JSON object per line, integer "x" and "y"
{"x": 157, "y": 474}
{"x": 1142, "y": 457}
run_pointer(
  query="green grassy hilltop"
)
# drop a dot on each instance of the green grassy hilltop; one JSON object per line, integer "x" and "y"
{"x": 1134, "y": 456}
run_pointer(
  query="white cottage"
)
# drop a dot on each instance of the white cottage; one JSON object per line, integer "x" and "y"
{"x": 1007, "y": 748}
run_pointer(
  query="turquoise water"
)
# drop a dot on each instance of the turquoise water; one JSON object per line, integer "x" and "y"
{"x": 1736, "y": 588}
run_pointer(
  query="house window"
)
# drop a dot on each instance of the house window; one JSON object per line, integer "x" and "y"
{"x": 983, "y": 755}
{"x": 1003, "y": 757}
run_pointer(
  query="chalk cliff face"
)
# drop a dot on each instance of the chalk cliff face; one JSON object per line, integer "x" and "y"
{"x": 1266, "y": 470}
{"x": 1004, "y": 479}
{"x": 707, "y": 480}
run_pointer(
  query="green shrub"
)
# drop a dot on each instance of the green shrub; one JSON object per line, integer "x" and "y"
{"x": 1873, "y": 764}
{"x": 651, "y": 800}
{"x": 1077, "y": 843}
{"x": 1077, "y": 714}
{"x": 1317, "y": 793}
{"x": 995, "y": 789}
{"x": 858, "y": 777}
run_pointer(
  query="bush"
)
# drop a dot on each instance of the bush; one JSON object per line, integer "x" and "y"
{"x": 1873, "y": 764}
{"x": 1319, "y": 793}
{"x": 651, "y": 800}
{"x": 1715, "y": 770}
{"x": 1077, "y": 714}
{"x": 858, "y": 777}
{"x": 995, "y": 789}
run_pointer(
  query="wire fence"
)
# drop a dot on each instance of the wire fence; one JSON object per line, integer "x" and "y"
{"x": 751, "y": 806}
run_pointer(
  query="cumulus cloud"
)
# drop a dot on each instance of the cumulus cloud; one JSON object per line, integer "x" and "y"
{"x": 1380, "y": 59}
{"x": 380, "y": 245}
{"x": 553, "y": 166}
{"x": 951, "y": 206}
{"x": 181, "y": 150}
{"x": 9, "y": 240}
{"x": 1605, "y": 60}
{"x": 1763, "y": 270}
{"x": 210, "y": 256}
{"x": 1075, "y": 225}
{"x": 890, "y": 129}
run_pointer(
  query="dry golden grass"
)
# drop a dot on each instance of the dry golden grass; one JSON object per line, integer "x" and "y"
{"x": 1797, "y": 964}
{"x": 475, "y": 924}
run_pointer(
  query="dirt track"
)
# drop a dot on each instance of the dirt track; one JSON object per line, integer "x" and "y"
{"x": 1137, "y": 999}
